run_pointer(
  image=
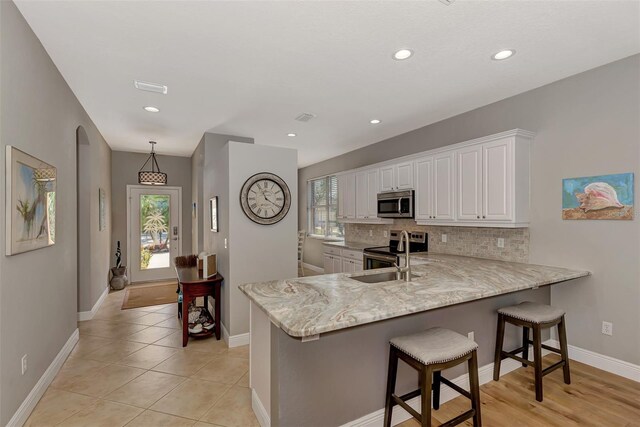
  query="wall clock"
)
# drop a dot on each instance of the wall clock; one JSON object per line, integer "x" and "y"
{"x": 265, "y": 198}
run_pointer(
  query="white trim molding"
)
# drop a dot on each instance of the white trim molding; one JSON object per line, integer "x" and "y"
{"x": 27, "y": 406}
{"x": 88, "y": 315}
{"x": 234, "y": 340}
{"x": 313, "y": 267}
{"x": 258, "y": 409}
{"x": 485, "y": 375}
{"x": 600, "y": 361}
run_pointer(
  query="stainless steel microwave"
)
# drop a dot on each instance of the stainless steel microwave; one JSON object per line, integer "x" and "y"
{"x": 397, "y": 204}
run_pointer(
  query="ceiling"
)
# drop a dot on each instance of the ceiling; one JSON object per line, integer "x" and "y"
{"x": 248, "y": 68}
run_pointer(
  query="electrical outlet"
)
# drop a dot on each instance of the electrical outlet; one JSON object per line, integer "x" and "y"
{"x": 385, "y": 234}
{"x": 24, "y": 364}
{"x": 500, "y": 242}
{"x": 444, "y": 238}
{"x": 370, "y": 233}
{"x": 607, "y": 328}
{"x": 471, "y": 336}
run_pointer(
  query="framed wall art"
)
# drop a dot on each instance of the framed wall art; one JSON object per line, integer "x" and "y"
{"x": 30, "y": 202}
{"x": 213, "y": 213}
{"x": 102, "y": 220}
{"x": 598, "y": 197}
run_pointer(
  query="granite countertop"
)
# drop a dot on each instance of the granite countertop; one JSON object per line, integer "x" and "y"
{"x": 308, "y": 306}
{"x": 356, "y": 246}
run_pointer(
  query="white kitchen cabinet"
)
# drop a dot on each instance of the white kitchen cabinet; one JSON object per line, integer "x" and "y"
{"x": 424, "y": 188}
{"x": 347, "y": 196}
{"x": 396, "y": 177}
{"x": 387, "y": 174}
{"x": 443, "y": 186}
{"x": 497, "y": 171}
{"x": 486, "y": 182}
{"x": 338, "y": 260}
{"x": 366, "y": 194}
{"x": 434, "y": 196}
{"x": 404, "y": 176}
{"x": 328, "y": 263}
{"x": 470, "y": 183}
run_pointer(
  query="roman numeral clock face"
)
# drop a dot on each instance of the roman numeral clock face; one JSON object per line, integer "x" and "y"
{"x": 265, "y": 198}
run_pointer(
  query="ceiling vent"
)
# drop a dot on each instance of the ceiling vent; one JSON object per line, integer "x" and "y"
{"x": 447, "y": 2}
{"x": 305, "y": 117}
{"x": 150, "y": 87}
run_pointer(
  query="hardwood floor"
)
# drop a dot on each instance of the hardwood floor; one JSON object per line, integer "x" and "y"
{"x": 594, "y": 398}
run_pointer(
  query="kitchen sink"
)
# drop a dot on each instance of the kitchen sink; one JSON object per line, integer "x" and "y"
{"x": 382, "y": 277}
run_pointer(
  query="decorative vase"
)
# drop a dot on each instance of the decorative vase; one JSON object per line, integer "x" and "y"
{"x": 119, "y": 279}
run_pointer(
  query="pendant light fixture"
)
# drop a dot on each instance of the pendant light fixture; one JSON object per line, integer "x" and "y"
{"x": 153, "y": 176}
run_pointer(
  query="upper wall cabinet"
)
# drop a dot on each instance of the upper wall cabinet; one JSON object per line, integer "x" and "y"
{"x": 478, "y": 183}
{"x": 395, "y": 177}
{"x": 491, "y": 185}
{"x": 434, "y": 188}
{"x": 367, "y": 186}
{"x": 347, "y": 196}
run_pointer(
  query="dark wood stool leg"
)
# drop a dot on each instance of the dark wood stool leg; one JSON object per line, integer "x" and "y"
{"x": 499, "y": 342}
{"x": 474, "y": 389}
{"x": 391, "y": 385}
{"x": 562, "y": 335}
{"x": 525, "y": 344}
{"x": 537, "y": 360}
{"x": 437, "y": 375}
{"x": 427, "y": 378}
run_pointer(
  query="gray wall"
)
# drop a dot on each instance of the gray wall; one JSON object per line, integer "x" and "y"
{"x": 94, "y": 245}
{"x": 228, "y": 162}
{"x": 124, "y": 171}
{"x": 587, "y": 124}
{"x": 40, "y": 115}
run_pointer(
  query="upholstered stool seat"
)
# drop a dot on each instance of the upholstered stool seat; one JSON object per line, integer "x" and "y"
{"x": 534, "y": 316}
{"x": 430, "y": 352}
{"x": 533, "y": 312}
{"x": 436, "y": 345}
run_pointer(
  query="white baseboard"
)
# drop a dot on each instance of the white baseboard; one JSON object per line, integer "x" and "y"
{"x": 234, "y": 340}
{"x": 259, "y": 411}
{"x": 88, "y": 315}
{"x": 600, "y": 361}
{"x": 485, "y": 375}
{"x": 313, "y": 267}
{"x": 32, "y": 399}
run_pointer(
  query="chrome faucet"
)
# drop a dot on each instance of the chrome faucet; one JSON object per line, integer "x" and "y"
{"x": 404, "y": 240}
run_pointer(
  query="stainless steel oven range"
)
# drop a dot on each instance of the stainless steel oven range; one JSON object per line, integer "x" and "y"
{"x": 387, "y": 256}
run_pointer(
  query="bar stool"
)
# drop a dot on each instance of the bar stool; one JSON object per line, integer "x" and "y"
{"x": 429, "y": 353}
{"x": 531, "y": 315}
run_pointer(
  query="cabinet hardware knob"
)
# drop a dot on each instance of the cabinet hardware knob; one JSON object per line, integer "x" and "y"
{"x": 483, "y": 216}
{"x": 478, "y": 217}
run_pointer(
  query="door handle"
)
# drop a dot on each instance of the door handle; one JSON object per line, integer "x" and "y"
{"x": 175, "y": 238}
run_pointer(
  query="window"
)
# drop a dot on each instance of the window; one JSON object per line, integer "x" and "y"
{"x": 323, "y": 207}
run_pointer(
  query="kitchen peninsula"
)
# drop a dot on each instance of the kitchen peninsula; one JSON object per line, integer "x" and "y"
{"x": 319, "y": 344}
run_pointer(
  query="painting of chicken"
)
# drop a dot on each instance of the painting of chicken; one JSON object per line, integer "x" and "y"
{"x": 598, "y": 197}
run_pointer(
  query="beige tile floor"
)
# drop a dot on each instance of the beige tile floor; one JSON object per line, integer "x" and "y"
{"x": 129, "y": 368}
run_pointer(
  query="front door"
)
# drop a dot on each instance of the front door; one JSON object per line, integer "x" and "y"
{"x": 154, "y": 232}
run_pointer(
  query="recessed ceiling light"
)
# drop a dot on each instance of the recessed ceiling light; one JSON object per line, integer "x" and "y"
{"x": 503, "y": 54}
{"x": 374, "y": 121}
{"x": 402, "y": 54}
{"x": 151, "y": 109}
{"x": 291, "y": 134}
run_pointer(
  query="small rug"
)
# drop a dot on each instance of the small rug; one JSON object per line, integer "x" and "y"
{"x": 153, "y": 294}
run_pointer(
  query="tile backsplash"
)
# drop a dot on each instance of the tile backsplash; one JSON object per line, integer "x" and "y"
{"x": 471, "y": 241}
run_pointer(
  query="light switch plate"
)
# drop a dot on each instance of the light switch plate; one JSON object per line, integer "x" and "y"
{"x": 500, "y": 242}
{"x": 444, "y": 238}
